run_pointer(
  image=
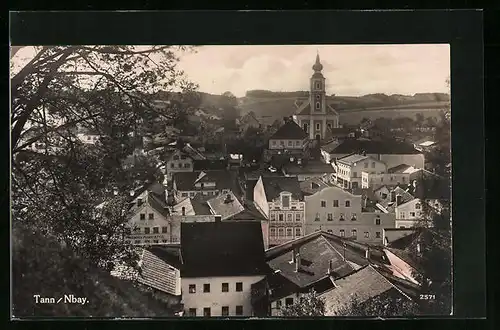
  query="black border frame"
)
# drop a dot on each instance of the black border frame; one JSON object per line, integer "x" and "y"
{"x": 463, "y": 29}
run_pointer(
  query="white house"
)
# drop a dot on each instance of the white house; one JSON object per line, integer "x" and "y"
{"x": 350, "y": 168}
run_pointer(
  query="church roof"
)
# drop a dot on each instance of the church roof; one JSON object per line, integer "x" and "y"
{"x": 306, "y": 110}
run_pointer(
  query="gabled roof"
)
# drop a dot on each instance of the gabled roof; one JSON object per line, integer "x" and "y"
{"x": 225, "y": 205}
{"x": 210, "y": 164}
{"x": 313, "y": 185}
{"x": 305, "y": 109}
{"x": 311, "y": 167}
{"x": 250, "y": 213}
{"x": 185, "y": 181}
{"x": 390, "y": 147}
{"x": 365, "y": 283}
{"x": 157, "y": 204}
{"x": 158, "y": 271}
{"x": 351, "y": 159}
{"x": 289, "y": 131}
{"x": 274, "y": 186}
{"x": 222, "y": 249}
{"x": 401, "y": 168}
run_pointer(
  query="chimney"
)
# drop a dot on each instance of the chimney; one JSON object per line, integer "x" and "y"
{"x": 139, "y": 201}
{"x": 393, "y": 196}
{"x": 367, "y": 253}
{"x": 228, "y": 199}
{"x": 218, "y": 218}
{"x": 297, "y": 262}
{"x": 295, "y": 252}
{"x": 399, "y": 198}
{"x": 330, "y": 267}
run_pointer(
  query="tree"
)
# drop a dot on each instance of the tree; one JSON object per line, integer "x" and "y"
{"x": 379, "y": 306}
{"x": 419, "y": 117}
{"x": 308, "y": 304}
{"x": 109, "y": 89}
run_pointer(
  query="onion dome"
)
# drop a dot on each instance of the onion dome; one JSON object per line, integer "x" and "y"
{"x": 317, "y": 66}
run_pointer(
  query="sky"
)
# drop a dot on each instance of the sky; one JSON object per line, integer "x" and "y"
{"x": 350, "y": 70}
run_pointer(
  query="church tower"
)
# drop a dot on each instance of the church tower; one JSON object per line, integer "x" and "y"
{"x": 317, "y": 89}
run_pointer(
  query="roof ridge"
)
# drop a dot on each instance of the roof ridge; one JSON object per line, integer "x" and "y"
{"x": 341, "y": 255}
{"x": 387, "y": 280}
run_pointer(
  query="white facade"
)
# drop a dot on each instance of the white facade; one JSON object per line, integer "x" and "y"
{"x": 216, "y": 299}
{"x": 178, "y": 162}
{"x": 376, "y": 180}
{"x": 408, "y": 214}
{"x": 350, "y": 175}
{"x": 391, "y": 160}
{"x": 277, "y": 304}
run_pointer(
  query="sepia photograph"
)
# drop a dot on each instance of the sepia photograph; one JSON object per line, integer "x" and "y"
{"x": 231, "y": 181}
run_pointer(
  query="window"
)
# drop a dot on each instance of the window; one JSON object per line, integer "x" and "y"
{"x": 278, "y": 303}
{"x": 297, "y": 216}
{"x": 192, "y": 312}
{"x": 335, "y": 203}
{"x": 329, "y": 125}
{"x": 239, "y": 286}
{"x": 323, "y": 203}
{"x": 329, "y": 217}
{"x": 164, "y": 230}
{"x": 273, "y": 217}
{"x": 353, "y": 217}
{"x": 366, "y": 165}
{"x": 402, "y": 227}
{"x": 305, "y": 127}
{"x": 272, "y": 232}
{"x": 184, "y": 195}
{"x": 318, "y": 85}
{"x": 298, "y": 232}
{"x": 273, "y": 142}
{"x": 373, "y": 164}
{"x": 417, "y": 206}
{"x": 146, "y": 230}
{"x": 317, "y": 107}
{"x": 377, "y": 220}
{"x": 402, "y": 215}
{"x": 225, "y": 287}
{"x": 317, "y": 96}
{"x": 206, "y": 287}
{"x": 377, "y": 234}
{"x": 280, "y": 217}
{"x": 297, "y": 143}
{"x": 348, "y": 203}
{"x": 156, "y": 230}
{"x": 289, "y": 232}
{"x": 187, "y": 165}
{"x": 192, "y": 288}
{"x": 281, "y": 232}
{"x": 88, "y": 137}
{"x": 206, "y": 312}
{"x": 404, "y": 179}
{"x": 164, "y": 241}
{"x": 143, "y": 216}
{"x": 282, "y": 143}
{"x": 367, "y": 234}
{"x": 288, "y": 301}
{"x": 147, "y": 241}
{"x": 317, "y": 217}
{"x": 172, "y": 165}
{"x": 239, "y": 310}
{"x": 290, "y": 143}
{"x": 285, "y": 201}
{"x": 317, "y": 126}
{"x": 341, "y": 217}
{"x": 330, "y": 231}
{"x": 354, "y": 233}
{"x": 156, "y": 241}
{"x": 225, "y": 310}
{"x": 342, "y": 233}
{"x": 176, "y": 157}
{"x": 412, "y": 214}
{"x": 289, "y": 217}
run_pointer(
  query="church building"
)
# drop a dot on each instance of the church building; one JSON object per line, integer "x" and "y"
{"x": 315, "y": 115}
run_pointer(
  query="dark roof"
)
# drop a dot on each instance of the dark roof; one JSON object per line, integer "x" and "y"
{"x": 399, "y": 168}
{"x": 315, "y": 257}
{"x": 313, "y": 185}
{"x": 365, "y": 283}
{"x": 222, "y": 249}
{"x": 249, "y": 213}
{"x": 185, "y": 181}
{"x": 157, "y": 204}
{"x": 158, "y": 271}
{"x": 349, "y": 146}
{"x": 307, "y": 110}
{"x": 274, "y": 186}
{"x": 289, "y": 131}
{"x": 334, "y": 132}
{"x": 311, "y": 167}
{"x": 210, "y": 164}
{"x": 403, "y": 242}
{"x": 225, "y": 205}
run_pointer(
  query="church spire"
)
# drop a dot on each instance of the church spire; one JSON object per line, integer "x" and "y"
{"x": 317, "y": 66}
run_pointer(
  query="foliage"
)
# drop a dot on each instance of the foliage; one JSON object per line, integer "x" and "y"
{"x": 42, "y": 265}
{"x": 308, "y": 304}
{"x": 379, "y": 306}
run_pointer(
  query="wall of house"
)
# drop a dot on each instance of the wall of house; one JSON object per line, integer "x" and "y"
{"x": 285, "y": 144}
{"x": 180, "y": 194}
{"x": 283, "y": 221}
{"x": 259, "y": 197}
{"x": 278, "y": 303}
{"x": 178, "y": 162}
{"x": 377, "y": 180}
{"x": 216, "y": 299}
{"x": 138, "y": 236}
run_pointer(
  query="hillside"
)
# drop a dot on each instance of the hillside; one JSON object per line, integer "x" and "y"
{"x": 42, "y": 266}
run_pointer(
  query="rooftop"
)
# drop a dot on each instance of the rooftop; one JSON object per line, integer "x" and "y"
{"x": 185, "y": 181}
{"x": 389, "y": 147}
{"x": 401, "y": 168}
{"x": 289, "y": 131}
{"x": 158, "y": 272}
{"x": 313, "y": 185}
{"x": 365, "y": 283}
{"x": 352, "y": 159}
{"x": 274, "y": 186}
{"x": 311, "y": 167}
{"x": 225, "y": 205}
{"x": 305, "y": 109}
{"x": 222, "y": 249}
{"x": 210, "y": 164}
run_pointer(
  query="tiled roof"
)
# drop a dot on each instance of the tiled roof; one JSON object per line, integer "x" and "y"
{"x": 315, "y": 258}
{"x": 274, "y": 186}
{"x": 223, "y": 179}
{"x": 250, "y": 212}
{"x": 329, "y": 147}
{"x": 390, "y": 205}
{"x": 192, "y": 206}
{"x": 401, "y": 168}
{"x": 311, "y": 167}
{"x": 334, "y": 132}
{"x": 222, "y": 249}
{"x": 351, "y": 159}
{"x": 157, "y": 204}
{"x": 349, "y": 146}
{"x": 225, "y": 205}
{"x": 313, "y": 185}
{"x": 158, "y": 273}
{"x": 210, "y": 164}
{"x": 289, "y": 131}
{"x": 365, "y": 283}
